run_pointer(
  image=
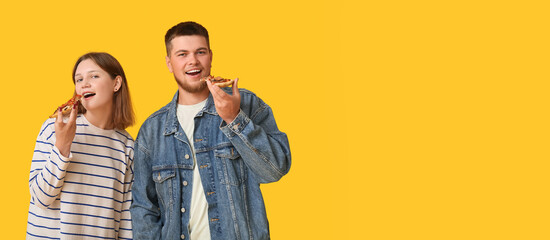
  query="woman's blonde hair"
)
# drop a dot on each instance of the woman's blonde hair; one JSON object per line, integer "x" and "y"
{"x": 123, "y": 112}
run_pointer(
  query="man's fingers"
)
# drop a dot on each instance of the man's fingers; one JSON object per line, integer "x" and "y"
{"x": 216, "y": 91}
{"x": 235, "y": 87}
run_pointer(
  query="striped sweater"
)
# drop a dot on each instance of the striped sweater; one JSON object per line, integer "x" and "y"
{"x": 88, "y": 194}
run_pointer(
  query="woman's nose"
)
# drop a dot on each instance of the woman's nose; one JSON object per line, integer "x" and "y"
{"x": 85, "y": 82}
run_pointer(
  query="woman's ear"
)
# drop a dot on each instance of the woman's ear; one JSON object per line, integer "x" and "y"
{"x": 118, "y": 83}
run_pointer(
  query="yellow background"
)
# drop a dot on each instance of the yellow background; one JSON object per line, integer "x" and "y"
{"x": 407, "y": 119}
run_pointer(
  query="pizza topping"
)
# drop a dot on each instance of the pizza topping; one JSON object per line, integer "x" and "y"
{"x": 219, "y": 81}
{"x": 67, "y": 107}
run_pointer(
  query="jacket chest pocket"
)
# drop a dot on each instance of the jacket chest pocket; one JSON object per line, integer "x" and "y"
{"x": 230, "y": 166}
{"x": 164, "y": 181}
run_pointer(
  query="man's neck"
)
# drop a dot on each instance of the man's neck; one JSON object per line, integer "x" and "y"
{"x": 187, "y": 98}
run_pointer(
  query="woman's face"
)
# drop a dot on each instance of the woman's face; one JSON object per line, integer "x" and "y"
{"x": 95, "y": 85}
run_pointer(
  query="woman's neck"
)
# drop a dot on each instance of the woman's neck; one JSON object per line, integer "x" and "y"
{"x": 101, "y": 120}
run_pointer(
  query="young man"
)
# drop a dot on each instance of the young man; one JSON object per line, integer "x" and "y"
{"x": 200, "y": 159}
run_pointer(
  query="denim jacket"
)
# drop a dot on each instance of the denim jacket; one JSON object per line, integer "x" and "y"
{"x": 233, "y": 159}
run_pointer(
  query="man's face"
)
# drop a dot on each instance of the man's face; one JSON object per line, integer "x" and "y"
{"x": 190, "y": 59}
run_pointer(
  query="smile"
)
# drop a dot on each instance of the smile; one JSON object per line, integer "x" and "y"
{"x": 87, "y": 95}
{"x": 193, "y": 72}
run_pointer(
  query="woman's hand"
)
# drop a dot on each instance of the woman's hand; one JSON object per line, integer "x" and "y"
{"x": 65, "y": 132}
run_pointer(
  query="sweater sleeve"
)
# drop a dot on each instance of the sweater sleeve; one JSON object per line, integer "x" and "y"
{"x": 48, "y": 167}
{"x": 125, "y": 230}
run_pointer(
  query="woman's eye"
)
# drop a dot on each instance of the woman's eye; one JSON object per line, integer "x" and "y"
{"x": 78, "y": 80}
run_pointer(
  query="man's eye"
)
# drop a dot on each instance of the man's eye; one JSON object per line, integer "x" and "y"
{"x": 202, "y": 52}
{"x": 182, "y": 55}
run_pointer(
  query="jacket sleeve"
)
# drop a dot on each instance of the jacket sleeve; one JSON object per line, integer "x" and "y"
{"x": 264, "y": 149}
{"x": 125, "y": 228}
{"x": 48, "y": 168}
{"x": 146, "y": 216}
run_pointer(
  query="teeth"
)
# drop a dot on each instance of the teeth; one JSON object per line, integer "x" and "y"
{"x": 88, "y": 94}
{"x": 194, "y": 71}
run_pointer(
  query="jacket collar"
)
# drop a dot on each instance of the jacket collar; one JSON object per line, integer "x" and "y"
{"x": 171, "y": 123}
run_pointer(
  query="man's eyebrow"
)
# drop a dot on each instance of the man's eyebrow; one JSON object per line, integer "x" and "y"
{"x": 198, "y": 49}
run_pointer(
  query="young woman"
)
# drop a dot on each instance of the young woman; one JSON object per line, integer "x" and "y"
{"x": 82, "y": 169}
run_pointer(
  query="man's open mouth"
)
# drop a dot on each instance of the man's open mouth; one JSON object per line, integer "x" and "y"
{"x": 193, "y": 72}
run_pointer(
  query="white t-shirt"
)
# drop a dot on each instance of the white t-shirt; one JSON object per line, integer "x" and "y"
{"x": 198, "y": 217}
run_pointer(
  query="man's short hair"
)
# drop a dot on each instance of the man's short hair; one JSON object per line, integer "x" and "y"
{"x": 184, "y": 29}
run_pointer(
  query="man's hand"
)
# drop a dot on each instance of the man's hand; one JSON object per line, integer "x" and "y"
{"x": 65, "y": 132}
{"x": 227, "y": 106}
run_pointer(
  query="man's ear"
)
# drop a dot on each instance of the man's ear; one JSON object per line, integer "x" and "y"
{"x": 169, "y": 64}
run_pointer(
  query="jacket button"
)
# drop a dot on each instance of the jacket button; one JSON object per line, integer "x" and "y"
{"x": 186, "y": 156}
{"x": 182, "y": 236}
{"x": 182, "y": 209}
{"x": 185, "y": 183}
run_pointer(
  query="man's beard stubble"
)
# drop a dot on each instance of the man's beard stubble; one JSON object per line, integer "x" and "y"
{"x": 191, "y": 88}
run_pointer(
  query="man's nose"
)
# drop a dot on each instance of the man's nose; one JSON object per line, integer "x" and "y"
{"x": 193, "y": 59}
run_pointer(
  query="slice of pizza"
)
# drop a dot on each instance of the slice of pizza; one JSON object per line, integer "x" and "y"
{"x": 67, "y": 107}
{"x": 218, "y": 81}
